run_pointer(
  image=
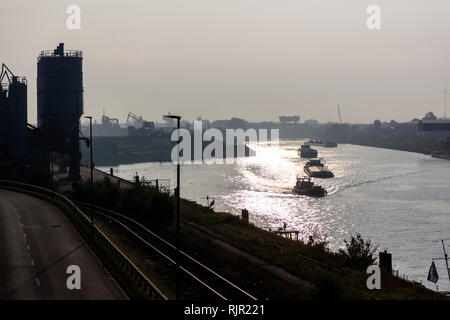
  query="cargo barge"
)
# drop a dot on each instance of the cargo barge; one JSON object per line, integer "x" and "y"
{"x": 306, "y": 151}
{"x": 316, "y": 168}
{"x": 304, "y": 186}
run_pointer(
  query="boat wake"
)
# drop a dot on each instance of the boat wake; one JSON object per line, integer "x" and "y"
{"x": 378, "y": 180}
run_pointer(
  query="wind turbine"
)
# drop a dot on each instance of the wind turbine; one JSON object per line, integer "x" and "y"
{"x": 339, "y": 114}
{"x": 445, "y": 94}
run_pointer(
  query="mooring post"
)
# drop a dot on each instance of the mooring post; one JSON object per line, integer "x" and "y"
{"x": 385, "y": 259}
{"x": 245, "y": 216}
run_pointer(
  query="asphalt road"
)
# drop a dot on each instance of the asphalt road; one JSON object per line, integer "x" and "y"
{"x": 37, "y": 245}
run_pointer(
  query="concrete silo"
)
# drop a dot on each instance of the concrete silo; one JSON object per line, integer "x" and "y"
{"x": 17, "y": 104}
{"x": 4, "y": 149}
{"x": 13, "y": 116}
{"x": 60, "y": 103}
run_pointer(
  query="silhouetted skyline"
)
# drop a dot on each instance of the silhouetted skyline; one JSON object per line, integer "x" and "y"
{"x": 250, "y": 59}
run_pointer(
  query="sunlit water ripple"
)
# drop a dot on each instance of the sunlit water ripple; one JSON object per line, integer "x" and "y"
{"x": 399, "y": 200}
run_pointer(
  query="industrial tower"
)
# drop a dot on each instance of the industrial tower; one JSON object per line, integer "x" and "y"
{"x": 60, "y": 104}
{"x": 13, "y": 116}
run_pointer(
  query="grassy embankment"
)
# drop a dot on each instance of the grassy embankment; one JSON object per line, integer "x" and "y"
{"x": 254, "y": 255}
{"x": 328, "y": 271}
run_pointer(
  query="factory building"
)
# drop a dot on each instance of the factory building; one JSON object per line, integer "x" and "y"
{"x": 289, "y": 119}
{"x": 59, "y": 108}
{"x": 433, "y": 128}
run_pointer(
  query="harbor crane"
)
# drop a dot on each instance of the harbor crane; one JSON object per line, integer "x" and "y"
{"x": 6, "y": 73}
{"x": 134, "y": 120}
{"x": 113, "y": 122}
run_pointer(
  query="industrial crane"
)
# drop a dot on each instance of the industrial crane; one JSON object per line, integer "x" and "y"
{"x": 5, "y": 72}
{"x": 134, "y": 120}
{"x": 114, "y": 122}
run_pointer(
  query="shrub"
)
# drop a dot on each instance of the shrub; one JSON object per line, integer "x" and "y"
{"x": 359, "y": 253}
{"x": 139, "y": 201}
{"x": 319, "y": 242}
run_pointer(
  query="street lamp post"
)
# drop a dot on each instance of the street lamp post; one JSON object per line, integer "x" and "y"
{"x": 92, "y": 171}
{"x": 177, "y": 193}
{"x": 51, "y": 169}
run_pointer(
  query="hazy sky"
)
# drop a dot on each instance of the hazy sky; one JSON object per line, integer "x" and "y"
{"x": 255, "y": 59}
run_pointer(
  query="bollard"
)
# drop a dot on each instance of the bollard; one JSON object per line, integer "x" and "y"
{"x": 245, "y": 216}
{"x": 385, "y": 259}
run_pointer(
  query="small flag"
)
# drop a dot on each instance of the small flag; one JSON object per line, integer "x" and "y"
{"x": 432, "y": 274}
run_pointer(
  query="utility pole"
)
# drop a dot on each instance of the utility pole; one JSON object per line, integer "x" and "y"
{"x": 177, "y": 193}
{"x": 446, "y": 260}
{"x": 51, "y": 166}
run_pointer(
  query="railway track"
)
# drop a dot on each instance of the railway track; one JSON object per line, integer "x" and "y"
{"x": 218, "y": 285}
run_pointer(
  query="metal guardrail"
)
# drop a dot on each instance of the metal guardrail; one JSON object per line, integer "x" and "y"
{"x": 118, "y": 256}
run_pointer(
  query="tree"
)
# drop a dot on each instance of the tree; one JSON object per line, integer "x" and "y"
{"x": 429, "y": 116}
{"x": 237, "y": 123}
{"x": 377, "y": 124}
{"x": 359, "y": 253}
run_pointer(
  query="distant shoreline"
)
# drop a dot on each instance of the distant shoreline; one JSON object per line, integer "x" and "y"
{"x": 421, "y": 145}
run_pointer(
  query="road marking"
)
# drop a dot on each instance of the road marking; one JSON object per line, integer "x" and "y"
{"x": 28, "y": 247}
{"x": 38, "y": 282}
{"x": 32, "y": 262}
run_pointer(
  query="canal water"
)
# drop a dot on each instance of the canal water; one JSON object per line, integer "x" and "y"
{"x": 399, "y": 200}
